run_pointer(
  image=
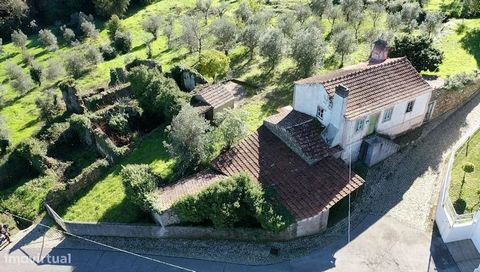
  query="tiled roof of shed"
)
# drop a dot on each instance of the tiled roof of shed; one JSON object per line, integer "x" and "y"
{"x": 306, "y": 190}
{"x": 373, "y": 87}
{"x": 216, "y": 95}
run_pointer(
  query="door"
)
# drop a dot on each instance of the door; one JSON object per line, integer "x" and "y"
{"x": 372, "y": 123}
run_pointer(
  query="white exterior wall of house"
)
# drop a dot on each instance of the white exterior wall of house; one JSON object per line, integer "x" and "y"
{"x": 306, "y": 98}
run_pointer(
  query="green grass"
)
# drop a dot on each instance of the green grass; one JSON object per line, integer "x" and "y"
{"x": 434, "y": 5}
{"x": 467, "y": 189}
{"x": 106, "y": 200}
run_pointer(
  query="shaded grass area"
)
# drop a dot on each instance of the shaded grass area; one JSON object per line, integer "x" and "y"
{"x": 106, "y": 201}
{"x": 464, "y": 188}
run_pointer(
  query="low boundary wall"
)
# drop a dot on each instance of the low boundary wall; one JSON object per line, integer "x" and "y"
{"x": 156, "y": 231}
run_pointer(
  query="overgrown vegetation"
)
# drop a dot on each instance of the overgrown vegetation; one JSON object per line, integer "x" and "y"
{"x": 140, "y": 181}
{"x": 232, "y": 202}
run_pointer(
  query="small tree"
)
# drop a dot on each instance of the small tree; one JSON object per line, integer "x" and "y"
{"x": 19, "y": 39}
{"x": 433, "y": 23}
{"x": 356, "y": 20}
{"x": 320, "y": 7}
{"x": 192, "y": 34}
{"x": 308, "y": 49}
{"x": 243, "y": 12}
{"x": 420, "y": 52}
{"x": 225, "y": 33}
{"x": 93, "y": 55}
{"x": 75, "y": 64}
{"x": 302, "y": 12}
{"x": 168, "y": 29}
{"x": 107, "y": 8}
{"x": 272, "y": 47}
{"x": 54, "y": 69}
{"x": 334, "y": 14}
{"x": 114, "y": 25}
{"x": 5, "y": 141}
{"x": 344, "y": 44}
{"x": 122, "y": 42}
{"x": 140, "y": 181}
{"x": 410, "y": 11}
{"x": 48, "y": 39}
{"x": 250, "y": 38}
{"x": 68, "y": 35}
{"x": 152, "y": 24}
{"x": 19, "y": 80}
{"x": 189, "y": 140}
{"x": 287, "y": 24}
{"x": 213, "y": 63}
{"x": 89, "y": 30}
{"x": 205, "y": 7}
{"x": 36, "y": 73}
{"x": 119, "y": 122}
{"x": 232, "y": 126}
{"x": 49, "y": 105}
{"x": 376, "y": 10}
{"x": 351, "y": 7}
{"x": 394, "y": 21}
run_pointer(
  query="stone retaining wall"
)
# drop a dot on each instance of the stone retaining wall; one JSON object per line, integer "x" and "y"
{"x": 155, "y": 231}
{"x": 447, "y": 101}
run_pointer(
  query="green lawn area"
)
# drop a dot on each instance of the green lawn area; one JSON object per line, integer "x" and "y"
{"x": 467, "y": 189}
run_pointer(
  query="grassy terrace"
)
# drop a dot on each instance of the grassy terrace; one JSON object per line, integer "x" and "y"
{"x": 106, "y": 200}
{"x": 464, "y": 189}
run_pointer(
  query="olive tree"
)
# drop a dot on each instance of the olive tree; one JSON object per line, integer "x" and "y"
{"x": 168, "y": 29}
{"x": 250, "y": 38}
{"x": 225, "y": 32}
{"x": 114, "y": 24}
{"x": 88, "y": 29}
{"x": 243, "y": 12}
{"x": 334, "y": 14}
{"x": 410, "y": 11}
{"x": 272, "y": 47}
{"x": 48, "y": 39}
{"x": 19, "y": 39}
{"x": 122, "y": 42}
{"x": 320, "y": 7}
{"x": 68, "y": 35}
{"x": 19, "y": 80}
{"x": 152, "y": 24}
{"x": 344, "y": 44}
{"x": 75, "y": 64}
{"x": 231, "y": 125}
{"x": 93, "y": 55}
{"x": 307, "y": 49}
{"x": 189, "y": 139}
{"x": 433, "y": 23}
{"x": 350, "y": 7}
{"x": 394, "y": 21}
{"x": 54, "y": 69}
{"x": 49, "y": 105}
{"x": 287, "y": 24}
{"x": 205, "y": 7}
{"x": 375, "y": 10}
{"x": 192, "y": 34}
{"x": 302, "y": 13}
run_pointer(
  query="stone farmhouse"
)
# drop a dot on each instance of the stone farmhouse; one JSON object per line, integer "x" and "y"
{"x": 304, "y": 151}
{"x": 362, "y": 106}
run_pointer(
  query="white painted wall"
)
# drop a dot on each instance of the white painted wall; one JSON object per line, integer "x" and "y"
{"x": 306, "y": 98}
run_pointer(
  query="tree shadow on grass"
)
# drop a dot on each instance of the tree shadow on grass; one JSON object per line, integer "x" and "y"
{"x": 471, "y": 43}
{"x": 8, "y": 56}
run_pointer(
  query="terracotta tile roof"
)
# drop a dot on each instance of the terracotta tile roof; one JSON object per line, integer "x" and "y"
{"x": 305, "y": 189}
{"x": 302, "y": 132}
{"x": 216, "y": 95}
{"x": 373, "y": 87}
{"x": 168, "y": 195}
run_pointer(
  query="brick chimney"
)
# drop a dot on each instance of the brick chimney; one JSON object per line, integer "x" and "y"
{"x": 379, "y": 52}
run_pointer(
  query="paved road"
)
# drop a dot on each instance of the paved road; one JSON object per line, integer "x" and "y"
{"x": 392, "y": 229}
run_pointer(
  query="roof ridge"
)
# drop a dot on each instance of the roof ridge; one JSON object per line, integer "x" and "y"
{"x": 355, "y": 72}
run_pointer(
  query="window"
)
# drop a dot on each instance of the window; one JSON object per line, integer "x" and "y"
{"x": 320, "y": 112}
{"x": 410, "y": 106}
{"x": 359, "y": 125}
{"x": 387, "y": 115}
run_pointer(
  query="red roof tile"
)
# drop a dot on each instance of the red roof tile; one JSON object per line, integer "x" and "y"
{"x": 373, "y": 87}
{"x": 306, "y": 190}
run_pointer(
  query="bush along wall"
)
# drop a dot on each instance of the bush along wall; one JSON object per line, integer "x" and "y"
{"x": 236, "y": 201}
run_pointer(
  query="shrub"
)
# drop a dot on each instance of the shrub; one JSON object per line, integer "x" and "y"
{"x": 80, "y": 122}
{"x": 189, "y": 141}
{"x": 158, "y": 96}
{"x": 122, "y": 42}
{"x": 468, "y": 167}
{"x": 213, "y": 63}
{"x": 231, "y": 125}
{"x": 19, "y": 80}
{"x": 36, "y": 73}
{"x": 48, "y": 39}
{"x": 108, "y": 52}
{"x": 75, "y": 64}
{"x": 88, "y": 29}
{"x": 119, "y": 122}
{"x": 140, "y": 181}
{"x": 420, "y": 52}
{"x": 68, "y": 35}
{"x": 49, "y": 105}
{"x": 19, "y": 39}
{"x": 93, "y": 55}
{"x": 233, "y": 201}
{"x": 54, "y": 69}
{"x": 114, "y": 25}
{"x": 32, "y": 151}
{"x": 459, "y": 81}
